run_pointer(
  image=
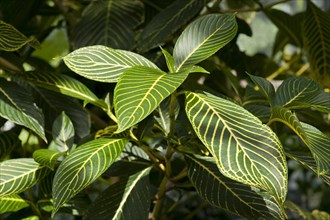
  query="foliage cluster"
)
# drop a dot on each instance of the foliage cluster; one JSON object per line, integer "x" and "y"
{"x": 154, "y": 112}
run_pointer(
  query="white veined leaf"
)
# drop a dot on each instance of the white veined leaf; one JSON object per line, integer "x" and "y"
{"x": 265, "y": 86}
{"x": 83, "y": 166}
{"x": 202, "y": 38}
{"x": 245, "y": 150}
{"x": 63, "y": 132}
{"x": 46, "y": 157}
{"x": 21, "y": 109}
{"x": 62, "y": 84}
{"x": 17, "y": 175}
{"x": 11, "y": 39}
{"x": 111, "y": 23}
{"x": 128, "y": 199}
{"x": 12, "y": 203}
{"x": 233, "y": 196}
{"x": 140, "y": 90}
{"x": 104, "y": 64}
{"x": 8, "y": 141}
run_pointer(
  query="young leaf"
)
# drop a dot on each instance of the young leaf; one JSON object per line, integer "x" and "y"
{"x": 17, "y": 175}
{"x": 16, "y": 106}
{"x": 109, "y": 22}
{"x": 82, "y": 167}
{"x": 104, "y": 64}
{"x": 265, "y": 86}
{"x": 46, "y": 157}
{"x": 234, "y": 197}
{"x": 127, "y": 199}
{"x": 295, "y": 92}
{"x": 317, "y": 41}
{"x": 140, "y": 90}
{"x": 62, "y": 84}
{"x": 63, "y": 132}
{"x": 168, "y": 21}
{"x": 202, "y": 38}
{"x": 8, "y": 141}
{"x": 12, "y": 203}
{"x": 11, "y": 39}
{"x": 245, "y": 150}
{"x": 169, "y": 61}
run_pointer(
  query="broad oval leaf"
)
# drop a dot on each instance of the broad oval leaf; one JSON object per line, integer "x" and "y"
{"x": 233, "y": 196}
{"x": 83, "y": 166}
{"x": 16, "y": 106}
{"x": 127, "y": 199}
{"x": 202, "y": 38}
{"x": 62, "y": 84}
{"x": 168, "y": 21}
{"x": 245, "y": 150}
{"x": 63, "y": 132}
{"x": 317, "y": 41}
{"x": 295, "y": 92}
{"x": 17, "y": 175}
{"x": 8, "y": 141}
{"x": 11, "y": 39}
{"x": 12, "y": 203}
{"x": 140, "y": 90}
{"x": 46, "y": 157}
{"x": 104, "y": 64}
{"x": 110, "y": 23}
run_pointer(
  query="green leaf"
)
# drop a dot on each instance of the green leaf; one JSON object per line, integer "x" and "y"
{"x": 202, "y": 38}
{"x": 320, "y": 102}
{"x": 314, "y": 139}
{"x": 8, "y": 141}
{"x": 82, "y": 167}
{"x": 317, "y": 41}
{"x": 234, "y": 197}
{"x": 168, "y": 21}
{"x": 46, "y": 157}
{"x": 245, "y": 150}
{"x": 110, "y": 23}
{"x": 11, "y": 39}
{"x": 17, "y": 175}
{"x": 319, "y": 146}
{"x": 63, "y": 132}
{"x": 12, "y": 203}
{"x": 286, "y": 23}
{"x": 265, "y": 86}
{"x": 62, "y": 84}
{"x": 261, "y": 111}
{"x": 101, "y": 63}
{"x": 19, "y": 108}
{"x": 296, "y": 92}
{"x": 169, "y": 61}
{"x": 140, "y": 90}
{"x": 127, "y": 199}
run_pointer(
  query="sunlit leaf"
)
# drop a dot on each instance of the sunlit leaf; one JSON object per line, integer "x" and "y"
{"x": 234, "y": 197}
{"x": 245, "y": 150}
{"x": 101, "y": 63}
{"x": 110, "y": 23}
{"x": 11, "y": 39}
{"x": 17, "y": 175}
{"x": 82, "y": 167}
{"x": 314, "y": 139}
{"x": 12, "y": 203}
{"x": 168, "y": 21}
{"x": 21, "y": 109}
{"x": 140, "y": 90}
{"x": 202, "y": 38}
{"x": 63, "y": 132}
{"x": 317, "y": 41}
{"x": 8, "y": 141}
{"x": 129, "y": 199}
{"x": 62, "y": 84}
{"x": 169, "y": 61}
{"x": 46, "y": 157}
